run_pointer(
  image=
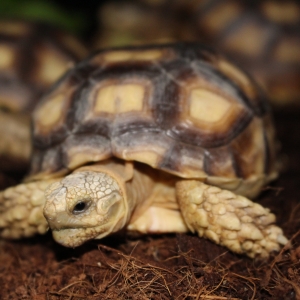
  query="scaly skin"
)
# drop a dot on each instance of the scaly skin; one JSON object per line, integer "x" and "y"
{"x": 229, "y": 219}
{"x": 21, "y": 210}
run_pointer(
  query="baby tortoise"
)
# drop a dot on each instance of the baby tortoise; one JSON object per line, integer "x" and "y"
{"x": 165, "y": 138}
{"x": 32, "y": 56}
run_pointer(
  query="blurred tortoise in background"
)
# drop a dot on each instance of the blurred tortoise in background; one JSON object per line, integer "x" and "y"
{"x": 262, "y": 36}
{"x": 165, "y": 138}
{"x": 32, "y": 56}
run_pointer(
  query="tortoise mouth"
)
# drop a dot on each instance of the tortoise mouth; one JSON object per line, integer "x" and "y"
{"x": 74, "y": 237}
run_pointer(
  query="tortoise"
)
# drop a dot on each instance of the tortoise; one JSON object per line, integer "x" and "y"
{"x": 162, "y": 138}
{"x": 32, "y": 56}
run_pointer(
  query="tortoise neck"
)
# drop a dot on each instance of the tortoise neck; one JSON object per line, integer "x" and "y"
{"x": 139, "y": 189}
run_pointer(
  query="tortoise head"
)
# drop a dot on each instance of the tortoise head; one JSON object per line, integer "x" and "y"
{"x": 83, "y": 206}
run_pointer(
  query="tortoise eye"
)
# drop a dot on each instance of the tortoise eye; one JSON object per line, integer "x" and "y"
{"x": 80, "y": 207}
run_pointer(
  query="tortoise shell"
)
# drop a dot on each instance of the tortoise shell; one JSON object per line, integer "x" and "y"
{"x": 32, "y": 56}
{"x": 180, "y": 108}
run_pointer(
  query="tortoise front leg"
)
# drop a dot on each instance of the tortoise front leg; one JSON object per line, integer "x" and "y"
{"x": 21, "y": 210}
{"x": 229, "y": 219}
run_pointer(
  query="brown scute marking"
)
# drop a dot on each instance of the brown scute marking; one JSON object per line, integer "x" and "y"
{"x": 51, "y": 117}
{"x": 253, "y": 96}
{"x": 133, "y": 124}
{"x": 237, "y": 76}
{"x": 143, "y": 146}
{"x": 188, "y": 134}
{"x": 87, "y": 120}
{"x": 48, "y": 161}
{"x": 116, "y": 101}
{"x": 81, "y": 149}
{"x": 220, "y": 16}
{"x": 164, "y": 102}
{"x": 36, "y": 160}
{"x": 99, "y": 126}
{"x": 184, "y": 160}
{"x": 219, "y": 162}
{"x": 7, "y": 55}
{"x": 232, "y": 117}
{"x": 286, "y": 12}
{"x": 233, "y": 72}
{"x": 248, "y": 150}
{"x": 80, "y": 74}
{"x": 47, "y": 140}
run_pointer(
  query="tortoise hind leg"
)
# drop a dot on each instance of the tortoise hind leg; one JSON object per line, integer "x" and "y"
{"x": 229, "y": 219}
{"x": 21, "y": 210}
